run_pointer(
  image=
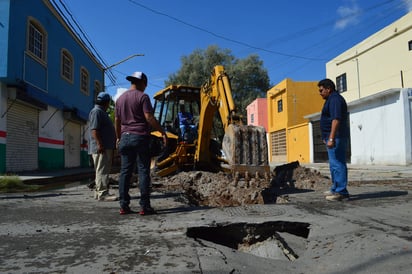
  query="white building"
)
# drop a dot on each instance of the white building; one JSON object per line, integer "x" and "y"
{"x": 380, "y": 128}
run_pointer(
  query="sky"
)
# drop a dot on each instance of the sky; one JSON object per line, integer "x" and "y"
{"x": 294, "y": 39}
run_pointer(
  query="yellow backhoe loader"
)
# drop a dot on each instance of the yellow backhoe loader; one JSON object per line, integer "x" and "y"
{"x": 196, "y": 143}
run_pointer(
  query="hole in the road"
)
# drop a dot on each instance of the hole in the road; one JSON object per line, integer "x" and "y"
{"x": 274, "y": 240}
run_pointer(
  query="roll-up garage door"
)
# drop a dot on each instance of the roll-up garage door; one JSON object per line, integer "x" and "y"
{"x": 278, "y": 140}
{"x": 22, "y": 137}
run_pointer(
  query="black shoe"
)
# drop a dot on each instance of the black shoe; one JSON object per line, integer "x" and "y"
{"x": 147, "y": 211}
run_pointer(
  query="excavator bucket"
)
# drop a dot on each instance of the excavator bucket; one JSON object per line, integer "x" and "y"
{"x": 245, "y": 148}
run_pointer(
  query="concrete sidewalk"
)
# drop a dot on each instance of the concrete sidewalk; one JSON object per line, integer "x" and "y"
{"x": 57, "y": 176}
{"x": 368, "y": 172}
{"x": 67, "y": 231}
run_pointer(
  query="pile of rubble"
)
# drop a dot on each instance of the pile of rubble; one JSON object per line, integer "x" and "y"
{"x": 221, "y": 189}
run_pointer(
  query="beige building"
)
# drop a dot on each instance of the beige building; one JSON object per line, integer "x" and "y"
{"x": 375, "y": 77}
{"x": 382, "y": 61}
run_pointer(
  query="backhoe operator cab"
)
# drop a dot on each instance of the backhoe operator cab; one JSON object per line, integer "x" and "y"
{"x": 177, "y": 110}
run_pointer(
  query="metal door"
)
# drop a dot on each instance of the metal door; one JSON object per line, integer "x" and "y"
{"x": 72, "y": 137}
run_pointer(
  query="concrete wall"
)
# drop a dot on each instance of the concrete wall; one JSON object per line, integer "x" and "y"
{"x": 51, "y": 141}
{"x": 380, "y": 128}
{"x": 298, "y": 143}
{"x": 3, "y": 125}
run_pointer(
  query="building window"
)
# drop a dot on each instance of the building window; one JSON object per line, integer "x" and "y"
{"x": 97, "y": 89}
{"x": 341, "y": 84}
{"x": 252, "y": 118}
{"x": 84, "y": 81}
{"x": 280, "y": 105}
{"x": 36, "y": 40}
{"x": 410, "y": 45}
{"x": 67, "y": 66}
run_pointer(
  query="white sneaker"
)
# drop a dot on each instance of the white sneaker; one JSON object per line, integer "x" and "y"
{"x": 108, "y": 198}
{"x": 327, "y": 193}
{"x": 337, "y": 197}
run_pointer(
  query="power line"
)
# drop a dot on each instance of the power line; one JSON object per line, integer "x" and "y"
{"x": 221, "y": 36}
{"x": 281, "y": 39}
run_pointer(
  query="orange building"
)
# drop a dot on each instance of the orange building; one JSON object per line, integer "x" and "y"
{"x": 289, "y": 137}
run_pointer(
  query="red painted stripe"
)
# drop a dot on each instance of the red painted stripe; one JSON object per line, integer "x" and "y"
{"x": 51, "y": 141}
{"x": 3, "y": 134}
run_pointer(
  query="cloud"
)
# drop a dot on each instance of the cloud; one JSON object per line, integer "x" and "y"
{"x": 119, "y": 92}
{"x": 349, "y": 15}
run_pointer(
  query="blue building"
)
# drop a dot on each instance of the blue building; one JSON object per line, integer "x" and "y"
{"x": 49, "y": 79}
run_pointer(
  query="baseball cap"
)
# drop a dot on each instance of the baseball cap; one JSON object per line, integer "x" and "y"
{"x": 137, "y": 75}
{"x": 103, "y": 97}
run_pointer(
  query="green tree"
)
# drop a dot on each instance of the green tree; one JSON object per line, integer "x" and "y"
{"x": 249, "y": 79}
{"x": 196, "y": 67}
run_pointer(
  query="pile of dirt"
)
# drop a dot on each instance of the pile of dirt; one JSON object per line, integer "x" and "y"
{"x": 221, "y": 189}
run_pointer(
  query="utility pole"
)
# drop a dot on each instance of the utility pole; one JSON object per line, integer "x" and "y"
{"x": 123, "y": 60}
{"x": 115, "y": 64}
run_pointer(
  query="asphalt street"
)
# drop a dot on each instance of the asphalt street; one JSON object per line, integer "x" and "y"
{"x": 64, "y": 230}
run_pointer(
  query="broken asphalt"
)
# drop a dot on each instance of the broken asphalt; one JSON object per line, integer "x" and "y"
{"x": 64, "y": 230}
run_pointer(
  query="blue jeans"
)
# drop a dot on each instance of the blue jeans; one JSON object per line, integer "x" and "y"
{"x": 132, "y": 148}
{"x": 188, "y": 133}
{"x": 337, "y": 166}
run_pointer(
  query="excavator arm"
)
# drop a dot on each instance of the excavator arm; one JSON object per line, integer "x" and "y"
{"x": 245, "y": 147}
{"x": 215, "y": 96}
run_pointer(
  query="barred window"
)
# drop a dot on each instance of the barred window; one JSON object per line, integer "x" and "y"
{"x": 341, "y": 84}
{"x": 36, "y": 40}
{"x": 84, "y": 81}
{"x": 280, "y": 105}
{"x": 67, "y": 65}
{"x": 97, "y": 89}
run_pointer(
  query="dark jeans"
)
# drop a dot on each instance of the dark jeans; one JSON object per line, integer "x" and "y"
{"x": 134, "y": 148}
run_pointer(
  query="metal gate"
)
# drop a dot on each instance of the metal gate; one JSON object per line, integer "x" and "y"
{"x": 22, "y": 137}
{"x": 320, "y": 153}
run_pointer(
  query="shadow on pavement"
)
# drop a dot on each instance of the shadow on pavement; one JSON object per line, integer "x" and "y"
{"x": 35, "y": 196}
{"x": 165, "y": 195}
{"x": 376, "y": 195}
{"x": 181, "y": 209}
